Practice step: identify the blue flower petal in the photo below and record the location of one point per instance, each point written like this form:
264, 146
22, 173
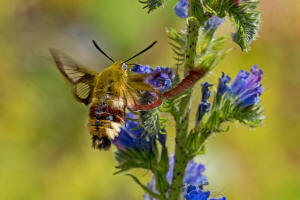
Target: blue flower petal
197, 195
131, 136
190, 188
193, 173
204, 105
193, 178
142, 69
239, 81
246, 86
160, 78
205, 91
222, 86
221, 198
214, 22
181, 9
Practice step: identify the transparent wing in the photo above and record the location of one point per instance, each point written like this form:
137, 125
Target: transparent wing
83, 79
140, 95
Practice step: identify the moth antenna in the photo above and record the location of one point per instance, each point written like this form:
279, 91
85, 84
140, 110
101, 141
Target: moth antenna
99, 49
146, 49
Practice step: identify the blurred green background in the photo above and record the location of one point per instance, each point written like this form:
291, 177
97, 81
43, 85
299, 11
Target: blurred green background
45, 148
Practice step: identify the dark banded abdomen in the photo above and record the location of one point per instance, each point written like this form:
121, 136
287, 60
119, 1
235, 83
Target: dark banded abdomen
106, 120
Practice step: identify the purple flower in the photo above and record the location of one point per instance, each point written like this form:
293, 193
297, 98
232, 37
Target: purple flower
205, 91
193, 173
204, 105
142, 69
131, 136
194, 193
193, 178
181, 9
160, 78
246, 86
222, 86
214, 22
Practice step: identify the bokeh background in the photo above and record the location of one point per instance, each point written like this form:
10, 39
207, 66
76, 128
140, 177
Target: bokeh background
45, 148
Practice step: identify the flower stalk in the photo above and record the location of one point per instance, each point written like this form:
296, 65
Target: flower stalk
182, 120
142, 143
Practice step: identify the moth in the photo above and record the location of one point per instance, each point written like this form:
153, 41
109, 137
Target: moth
108, 93
111, 91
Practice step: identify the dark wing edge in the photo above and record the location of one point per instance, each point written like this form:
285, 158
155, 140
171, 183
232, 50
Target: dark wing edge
83, 79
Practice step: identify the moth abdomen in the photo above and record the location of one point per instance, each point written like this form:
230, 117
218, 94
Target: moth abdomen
105, 123
101, 143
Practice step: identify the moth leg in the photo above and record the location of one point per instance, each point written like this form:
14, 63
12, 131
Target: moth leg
193, 76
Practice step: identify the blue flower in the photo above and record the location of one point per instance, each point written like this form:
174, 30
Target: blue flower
205, 91
131, 136
222, 86
193, 178
204, 105
142, 69
194, 193
246, 86
193, 173
181, 9
160, 78
214, 22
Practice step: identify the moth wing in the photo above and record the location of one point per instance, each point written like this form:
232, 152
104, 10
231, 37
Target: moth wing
137, 82
131, 100
83, 79
141, 95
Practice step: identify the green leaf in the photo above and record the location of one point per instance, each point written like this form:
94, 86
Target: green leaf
162, 184
152, 4
153, 194
178, 44
247, 21
132, 158
209, 50
193, 142
226, 109
202, 150
244, 16
150, 121
198, 11
164, 161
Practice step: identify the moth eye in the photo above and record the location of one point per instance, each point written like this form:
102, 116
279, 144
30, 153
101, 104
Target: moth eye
124, 66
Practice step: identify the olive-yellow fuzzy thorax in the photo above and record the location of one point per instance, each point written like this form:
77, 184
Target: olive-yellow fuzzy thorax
108, 105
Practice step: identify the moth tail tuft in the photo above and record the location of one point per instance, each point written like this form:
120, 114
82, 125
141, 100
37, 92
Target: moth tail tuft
102, 143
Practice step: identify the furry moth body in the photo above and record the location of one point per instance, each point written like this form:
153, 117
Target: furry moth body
109, 93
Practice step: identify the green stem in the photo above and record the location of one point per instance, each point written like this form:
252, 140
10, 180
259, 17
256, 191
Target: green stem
181, 158
182, 116
192, 38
